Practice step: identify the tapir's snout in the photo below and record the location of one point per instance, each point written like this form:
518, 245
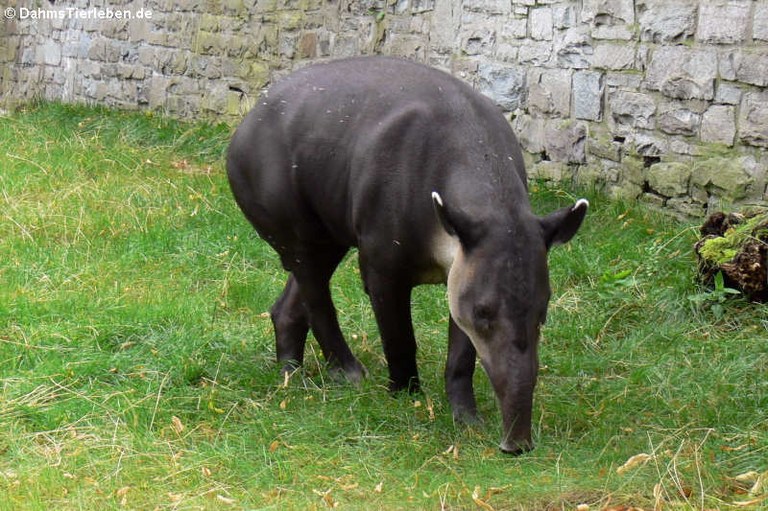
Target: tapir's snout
516, 436
514, 380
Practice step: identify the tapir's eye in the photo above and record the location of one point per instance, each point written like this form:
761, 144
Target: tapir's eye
485, 315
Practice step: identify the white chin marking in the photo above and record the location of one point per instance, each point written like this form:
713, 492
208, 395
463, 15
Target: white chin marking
436, 197
580, 203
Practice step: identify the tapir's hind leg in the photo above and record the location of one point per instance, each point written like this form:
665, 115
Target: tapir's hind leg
291, 323
312, 271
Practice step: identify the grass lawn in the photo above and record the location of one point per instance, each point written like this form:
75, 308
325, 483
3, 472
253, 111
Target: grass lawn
137, 359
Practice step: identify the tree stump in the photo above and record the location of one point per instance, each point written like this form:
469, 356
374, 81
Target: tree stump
736, 244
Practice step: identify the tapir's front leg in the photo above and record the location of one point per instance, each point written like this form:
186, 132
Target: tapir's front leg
391, 300
459, 370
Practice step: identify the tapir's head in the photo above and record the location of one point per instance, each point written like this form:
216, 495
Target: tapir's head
498, 291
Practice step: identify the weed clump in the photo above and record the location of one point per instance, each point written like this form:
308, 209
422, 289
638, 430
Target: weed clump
736, 245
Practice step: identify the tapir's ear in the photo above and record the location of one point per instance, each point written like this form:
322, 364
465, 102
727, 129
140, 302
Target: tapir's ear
560, 226
456, 223
442, 214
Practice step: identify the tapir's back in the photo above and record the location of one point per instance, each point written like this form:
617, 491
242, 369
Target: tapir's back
332, 139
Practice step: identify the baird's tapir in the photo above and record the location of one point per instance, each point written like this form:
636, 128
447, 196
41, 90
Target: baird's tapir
426, 178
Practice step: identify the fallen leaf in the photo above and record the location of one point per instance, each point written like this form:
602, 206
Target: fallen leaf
635, 461
379, 487
122, 494
286, 378
430, 409
760, 485
176, 424
477, 500
582, 507
728, 448
283, 404
274, 445
753, 502
658, 497
327, 498
205, 471
225, 500
747, 477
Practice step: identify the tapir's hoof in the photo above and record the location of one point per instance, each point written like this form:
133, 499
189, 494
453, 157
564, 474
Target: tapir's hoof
289, 367
516, 448
355, 372
412, 386
467, 416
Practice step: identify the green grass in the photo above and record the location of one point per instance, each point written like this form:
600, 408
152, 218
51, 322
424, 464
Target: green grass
137, 363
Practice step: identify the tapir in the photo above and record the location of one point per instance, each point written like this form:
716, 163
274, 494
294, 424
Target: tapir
425, 177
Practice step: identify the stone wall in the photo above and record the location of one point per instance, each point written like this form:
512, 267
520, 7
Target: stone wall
661, 100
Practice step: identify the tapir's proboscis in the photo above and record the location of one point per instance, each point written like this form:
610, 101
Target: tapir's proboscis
425, 177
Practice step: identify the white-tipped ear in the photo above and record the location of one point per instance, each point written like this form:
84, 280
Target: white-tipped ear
442, 214
581, 203
560, 226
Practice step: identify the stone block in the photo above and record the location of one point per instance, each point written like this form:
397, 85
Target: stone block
728, 94
608, 12
421, 6
724, 177
748, 66
753, 119
663, 21
587, 93
669, 179
683, 73
633, 109
760, 21
504, 84
549, 91
565, 16
507, 52
614, 32
573, 48
477, 40
626, 81
624, 191
565, 141
678, 121
530, 132
613, 56
514, 29
49, 53
495, 7
535, 53
602, 145
724, 21
609, 19
646, 143
686, 207
552, 171
541, 24
308, 45
718, 125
